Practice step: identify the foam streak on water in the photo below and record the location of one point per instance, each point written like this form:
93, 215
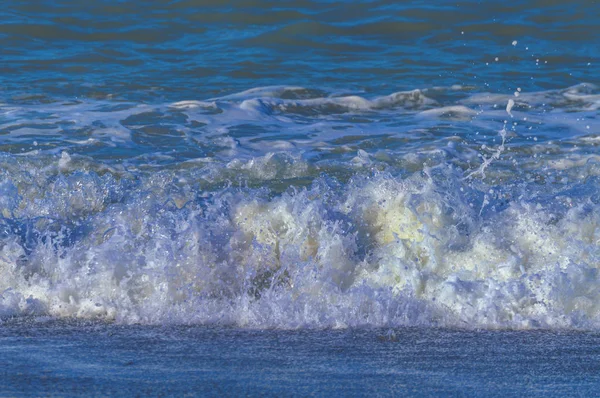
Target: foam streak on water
292, 207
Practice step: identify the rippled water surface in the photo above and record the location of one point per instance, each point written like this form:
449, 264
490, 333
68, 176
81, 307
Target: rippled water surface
174, 50
101, 360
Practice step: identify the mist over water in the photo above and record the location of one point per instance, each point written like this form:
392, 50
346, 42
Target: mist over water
305, 165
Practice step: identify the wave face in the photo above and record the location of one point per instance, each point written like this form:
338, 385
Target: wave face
294, 207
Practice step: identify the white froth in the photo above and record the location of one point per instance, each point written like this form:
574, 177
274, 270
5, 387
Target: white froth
455, 112
305, 209
387, 251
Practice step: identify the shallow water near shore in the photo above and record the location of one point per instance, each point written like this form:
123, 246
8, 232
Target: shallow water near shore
64, 358
305, 165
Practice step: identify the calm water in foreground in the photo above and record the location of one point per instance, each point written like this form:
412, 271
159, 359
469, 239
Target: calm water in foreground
299, 197
98, 359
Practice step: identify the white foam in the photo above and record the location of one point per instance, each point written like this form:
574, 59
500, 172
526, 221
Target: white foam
383, 251
387, 230
456, 112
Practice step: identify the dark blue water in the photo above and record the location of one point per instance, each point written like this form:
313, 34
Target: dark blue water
295, 198
171, 50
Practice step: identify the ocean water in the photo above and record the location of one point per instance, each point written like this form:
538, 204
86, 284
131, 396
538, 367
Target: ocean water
130, 360
304, 170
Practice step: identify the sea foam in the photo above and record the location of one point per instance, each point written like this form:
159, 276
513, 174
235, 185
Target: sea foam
287, 208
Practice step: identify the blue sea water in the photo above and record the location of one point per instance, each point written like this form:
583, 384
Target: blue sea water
335, 173
102, 360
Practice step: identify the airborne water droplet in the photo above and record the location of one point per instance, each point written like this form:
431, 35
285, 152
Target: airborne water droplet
509, 106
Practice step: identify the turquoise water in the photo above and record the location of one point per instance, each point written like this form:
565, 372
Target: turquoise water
307, 169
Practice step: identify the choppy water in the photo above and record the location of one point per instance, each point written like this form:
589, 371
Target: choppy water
301, 165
